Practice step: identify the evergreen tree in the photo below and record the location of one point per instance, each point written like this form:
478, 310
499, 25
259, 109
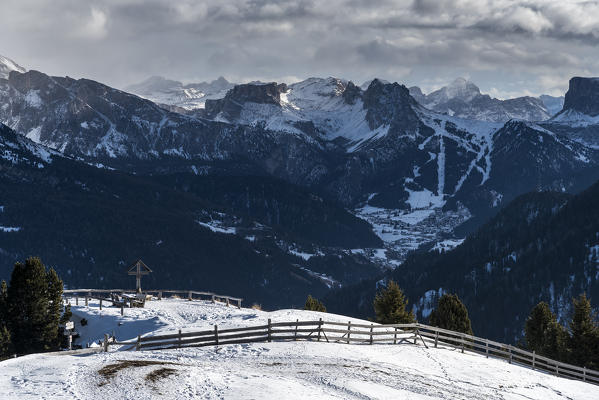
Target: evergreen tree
313, 304
33, 315
451, 314
390, 306
584, 339
544, 334
5, 343
53, 335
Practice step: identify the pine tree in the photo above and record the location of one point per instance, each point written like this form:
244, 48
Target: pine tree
390, 306
451, 314
33, 321
5, 342
584, 339
53, 336
313, 304
544, 334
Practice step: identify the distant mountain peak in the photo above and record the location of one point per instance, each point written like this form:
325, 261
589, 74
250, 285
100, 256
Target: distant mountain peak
7, 65
583, 96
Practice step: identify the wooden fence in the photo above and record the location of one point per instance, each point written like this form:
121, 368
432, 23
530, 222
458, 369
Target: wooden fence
105, 295
340, 332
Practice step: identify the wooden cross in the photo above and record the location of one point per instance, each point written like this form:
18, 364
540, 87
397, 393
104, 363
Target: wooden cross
138, 269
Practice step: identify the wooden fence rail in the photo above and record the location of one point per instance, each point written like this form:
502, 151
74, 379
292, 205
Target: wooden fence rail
337, 332
104, 295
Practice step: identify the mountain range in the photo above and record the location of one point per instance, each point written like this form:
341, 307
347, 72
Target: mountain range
317, 184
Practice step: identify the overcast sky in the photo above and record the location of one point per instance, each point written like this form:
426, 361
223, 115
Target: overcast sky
507, 47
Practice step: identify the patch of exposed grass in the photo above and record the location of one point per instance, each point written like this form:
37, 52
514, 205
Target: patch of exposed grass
110, 370
160, 373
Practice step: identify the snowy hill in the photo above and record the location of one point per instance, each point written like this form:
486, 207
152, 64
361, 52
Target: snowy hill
286, 370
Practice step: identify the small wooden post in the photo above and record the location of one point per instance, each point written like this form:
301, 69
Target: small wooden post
371, 328
556, 370
487, 347
122, 310
213, 299
319, 328
216, 334
269, 331
100, 304
416, 332
533, 359
239, 304
295, 334
179, 344
510, 349
76, 300
348, 331
86, 301
105, 343
436, 338
137, 346
189, 296
227, 302
462, 337
159, 295
584, 374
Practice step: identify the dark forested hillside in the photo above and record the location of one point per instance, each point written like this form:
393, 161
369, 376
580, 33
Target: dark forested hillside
541, 247
90, 223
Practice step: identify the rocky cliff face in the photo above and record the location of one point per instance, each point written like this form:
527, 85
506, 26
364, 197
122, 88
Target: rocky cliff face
583, 96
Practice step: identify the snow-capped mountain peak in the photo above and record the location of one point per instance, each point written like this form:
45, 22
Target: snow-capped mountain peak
7, 65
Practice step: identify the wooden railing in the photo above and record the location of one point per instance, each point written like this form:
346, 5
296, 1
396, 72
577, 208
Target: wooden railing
340, 332
104, 295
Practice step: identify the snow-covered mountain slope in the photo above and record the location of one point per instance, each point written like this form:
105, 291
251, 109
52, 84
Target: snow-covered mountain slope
463, 98
292, 370
7, 65
17, 150
553, 104
189, 96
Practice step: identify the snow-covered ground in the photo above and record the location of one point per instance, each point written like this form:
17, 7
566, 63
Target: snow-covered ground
265, 370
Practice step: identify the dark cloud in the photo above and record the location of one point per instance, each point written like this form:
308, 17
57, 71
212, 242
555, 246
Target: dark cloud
427, 42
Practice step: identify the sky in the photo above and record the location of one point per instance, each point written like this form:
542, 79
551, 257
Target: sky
508, 48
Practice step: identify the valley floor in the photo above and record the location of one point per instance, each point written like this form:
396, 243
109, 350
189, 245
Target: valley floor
265, 370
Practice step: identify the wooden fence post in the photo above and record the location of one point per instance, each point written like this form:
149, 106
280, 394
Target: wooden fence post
584, 374
122, 309
395, 335
462, 337
416, 334
487, 347
227, 302
510, 349
269, 330
319, 328
216, 334
105, 343
138, 344
436, 338
189, 296
556, 370
533, 360
371, 328
348, 331
239, 304
295, 334
213, 299
159, 295
100, 304
179, 339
